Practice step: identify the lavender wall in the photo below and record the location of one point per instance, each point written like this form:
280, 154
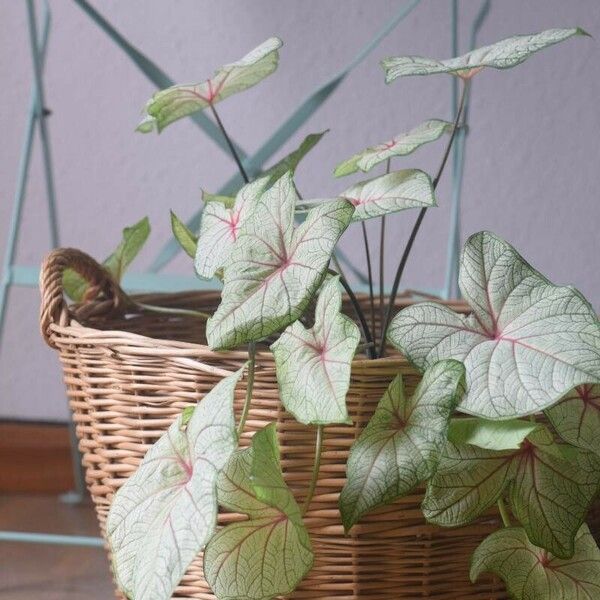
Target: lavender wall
532, 171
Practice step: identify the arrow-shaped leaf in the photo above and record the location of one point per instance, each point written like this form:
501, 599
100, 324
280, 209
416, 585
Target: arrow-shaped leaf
401, 145
275, 268
576, 418
550, 489
179, 101
400, 446
268, 554
501, 55
166, 511
531, 573
527, 343
313, 365
133, 240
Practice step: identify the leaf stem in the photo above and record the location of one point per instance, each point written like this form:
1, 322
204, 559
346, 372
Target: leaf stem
369, 275
230, 145
382, 258
173, 311
249, 388
417, 225
359, 315
315, 472
504, 513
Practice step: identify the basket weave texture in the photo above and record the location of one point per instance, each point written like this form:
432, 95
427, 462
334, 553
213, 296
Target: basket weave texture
129, 373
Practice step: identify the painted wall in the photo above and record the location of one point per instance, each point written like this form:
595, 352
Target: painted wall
532, 172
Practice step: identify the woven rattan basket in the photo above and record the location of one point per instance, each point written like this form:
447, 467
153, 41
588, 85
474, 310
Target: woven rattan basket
129, 373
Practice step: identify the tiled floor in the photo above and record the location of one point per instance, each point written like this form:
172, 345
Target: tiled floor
36, 572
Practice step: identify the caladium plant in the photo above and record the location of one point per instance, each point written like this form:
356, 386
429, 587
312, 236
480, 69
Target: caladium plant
527, 348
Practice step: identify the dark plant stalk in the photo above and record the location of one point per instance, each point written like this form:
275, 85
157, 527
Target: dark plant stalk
230, 145
370, 276
417, 225
249, 388
382, 259
315, 472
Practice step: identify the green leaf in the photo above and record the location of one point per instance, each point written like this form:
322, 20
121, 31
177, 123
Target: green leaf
275, 268
401, 145
187, 240
530, 573
134, 238
400, 446
179, 101
226, 201
268, 554
492, 435
220, 227
409, 188
527, 343
501, 55
576, 417
550, 490
313, 365
166, 511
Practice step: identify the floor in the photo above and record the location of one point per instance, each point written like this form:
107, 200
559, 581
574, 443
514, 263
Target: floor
36, 572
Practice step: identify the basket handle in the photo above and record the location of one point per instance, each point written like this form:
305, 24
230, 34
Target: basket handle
54, 308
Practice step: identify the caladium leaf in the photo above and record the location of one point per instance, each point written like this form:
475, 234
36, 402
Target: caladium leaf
531, 573
167, 510
178, 101
409, 188
401, 145
313, 365
220, 228
576, 417
275, 268
133, 240
187, 240
502, 55
268, 554
527, 343
493, 435
226, 201
550, 490
400, 446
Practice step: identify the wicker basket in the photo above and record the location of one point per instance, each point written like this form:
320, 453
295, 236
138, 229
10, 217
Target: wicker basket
129, 373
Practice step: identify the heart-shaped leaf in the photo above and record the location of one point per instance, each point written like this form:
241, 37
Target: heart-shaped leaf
167, 510
401, 145
576, 417
550, 488
492, 435
133, 240
179, 101
268, 554
530, 573
220, 228
501, 55
527, 343
313, 365
187, 240
275, 269
400, 446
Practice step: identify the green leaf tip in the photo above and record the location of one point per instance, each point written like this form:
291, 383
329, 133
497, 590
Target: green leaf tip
187, 240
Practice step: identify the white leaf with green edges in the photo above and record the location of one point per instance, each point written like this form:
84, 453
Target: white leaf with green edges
401, 145
187, 240
527, 343
400, 446
313, 365
133, 239
502, 55
275, 268
576, 417
492, 435
167, 510
530, 573
268, 554
220, 227
409, 188
178, 101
